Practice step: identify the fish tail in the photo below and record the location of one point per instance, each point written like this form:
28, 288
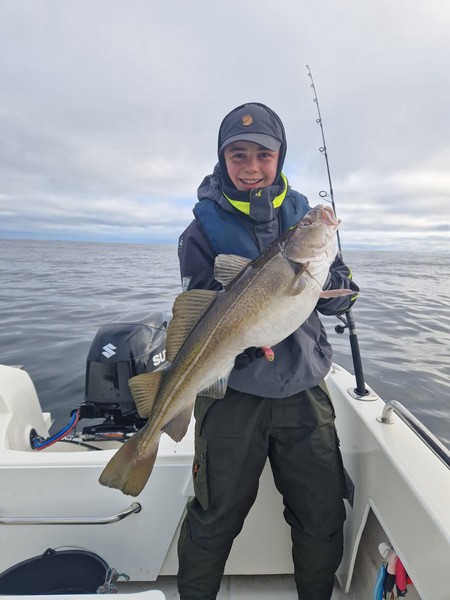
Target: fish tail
129, 468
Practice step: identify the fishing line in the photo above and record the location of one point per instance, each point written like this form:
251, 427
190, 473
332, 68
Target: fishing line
348, 321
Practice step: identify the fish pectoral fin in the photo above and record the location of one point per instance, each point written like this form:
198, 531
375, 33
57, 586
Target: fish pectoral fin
187, 310
299, 283
144, 389
336, 293
177, 427
216, 389
228, 266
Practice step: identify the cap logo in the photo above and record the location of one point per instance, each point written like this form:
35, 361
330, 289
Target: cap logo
247, 120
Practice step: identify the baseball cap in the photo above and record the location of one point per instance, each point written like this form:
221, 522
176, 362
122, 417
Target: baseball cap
253, 123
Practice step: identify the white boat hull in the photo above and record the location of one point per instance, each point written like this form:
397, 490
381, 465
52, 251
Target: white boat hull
398, 484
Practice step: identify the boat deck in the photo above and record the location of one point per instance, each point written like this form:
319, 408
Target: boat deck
244, 587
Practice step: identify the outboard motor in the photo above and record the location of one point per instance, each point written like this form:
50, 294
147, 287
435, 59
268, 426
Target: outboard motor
118, 352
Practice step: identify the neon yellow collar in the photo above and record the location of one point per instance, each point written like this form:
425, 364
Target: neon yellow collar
244, 205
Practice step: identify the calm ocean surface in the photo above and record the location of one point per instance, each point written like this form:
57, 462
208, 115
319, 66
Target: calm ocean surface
55, 295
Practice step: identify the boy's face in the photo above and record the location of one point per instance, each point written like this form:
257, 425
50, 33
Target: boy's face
250, 165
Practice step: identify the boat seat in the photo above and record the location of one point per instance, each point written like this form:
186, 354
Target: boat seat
20, 411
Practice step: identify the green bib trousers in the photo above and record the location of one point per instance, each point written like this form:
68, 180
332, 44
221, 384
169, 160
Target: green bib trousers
234, 438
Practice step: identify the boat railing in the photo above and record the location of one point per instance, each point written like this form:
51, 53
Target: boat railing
135, 507
441, 451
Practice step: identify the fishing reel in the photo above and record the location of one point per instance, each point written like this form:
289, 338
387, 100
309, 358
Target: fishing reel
341, 328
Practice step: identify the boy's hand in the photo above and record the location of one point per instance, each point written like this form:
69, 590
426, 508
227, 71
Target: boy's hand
248, 356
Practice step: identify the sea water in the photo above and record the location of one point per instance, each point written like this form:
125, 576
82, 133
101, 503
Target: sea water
54, 296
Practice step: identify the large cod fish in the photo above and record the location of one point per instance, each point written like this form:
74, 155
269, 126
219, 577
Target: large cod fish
263, 302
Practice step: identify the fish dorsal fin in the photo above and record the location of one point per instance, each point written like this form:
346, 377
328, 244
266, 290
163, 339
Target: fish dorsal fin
187, 310
177, 427
228, 266
144, 389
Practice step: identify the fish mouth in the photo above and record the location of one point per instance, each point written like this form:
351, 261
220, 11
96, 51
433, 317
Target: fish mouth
316, 231
321, 213
329, 217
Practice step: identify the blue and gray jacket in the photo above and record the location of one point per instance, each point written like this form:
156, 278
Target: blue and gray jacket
304, 358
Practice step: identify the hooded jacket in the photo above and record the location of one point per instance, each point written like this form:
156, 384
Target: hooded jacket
303, 359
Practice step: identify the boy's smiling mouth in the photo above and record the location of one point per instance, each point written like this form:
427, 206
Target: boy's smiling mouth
251, 181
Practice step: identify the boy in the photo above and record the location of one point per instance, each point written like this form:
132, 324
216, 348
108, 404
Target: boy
278, 410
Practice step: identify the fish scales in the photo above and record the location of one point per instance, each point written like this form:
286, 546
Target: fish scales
248, 315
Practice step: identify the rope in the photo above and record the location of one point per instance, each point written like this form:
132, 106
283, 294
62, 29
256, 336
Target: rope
108, 586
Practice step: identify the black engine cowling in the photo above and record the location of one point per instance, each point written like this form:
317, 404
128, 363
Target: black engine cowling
118, 352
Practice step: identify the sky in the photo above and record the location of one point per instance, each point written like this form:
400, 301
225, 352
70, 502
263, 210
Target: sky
109, 112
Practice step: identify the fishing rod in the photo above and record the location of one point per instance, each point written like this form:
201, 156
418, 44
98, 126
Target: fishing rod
348, 320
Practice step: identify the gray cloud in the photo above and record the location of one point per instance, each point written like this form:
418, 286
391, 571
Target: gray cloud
109, 111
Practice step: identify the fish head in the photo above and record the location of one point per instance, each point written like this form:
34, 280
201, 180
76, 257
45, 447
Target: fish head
312, 241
